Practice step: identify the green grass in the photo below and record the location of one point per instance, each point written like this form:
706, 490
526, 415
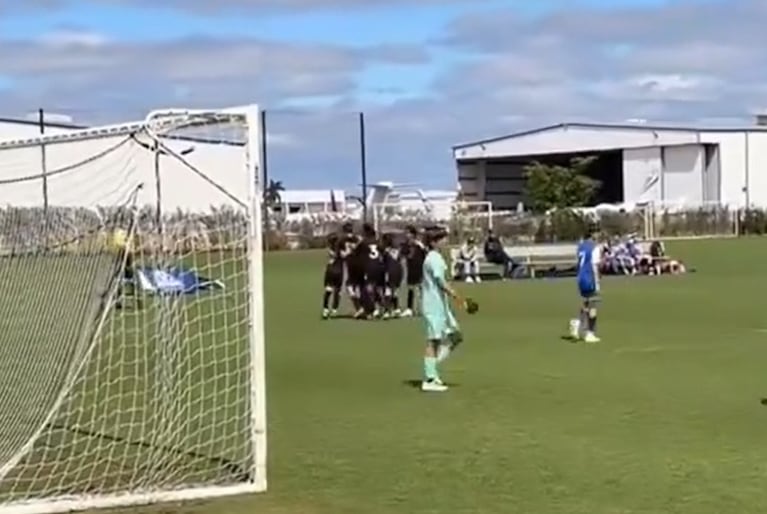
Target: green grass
662, 417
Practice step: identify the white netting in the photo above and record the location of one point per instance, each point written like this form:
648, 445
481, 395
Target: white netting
116, 391
463, 217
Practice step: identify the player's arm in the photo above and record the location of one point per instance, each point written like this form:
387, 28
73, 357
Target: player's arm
596, 262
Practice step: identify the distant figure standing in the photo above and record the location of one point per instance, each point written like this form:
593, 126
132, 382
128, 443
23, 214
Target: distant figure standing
122, 244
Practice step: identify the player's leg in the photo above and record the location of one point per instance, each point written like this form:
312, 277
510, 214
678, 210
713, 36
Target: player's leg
475, 270
327, 291
451, 338
467, 274
367, 299
413, 284
336, 301
393, 283
435, 329
589, 315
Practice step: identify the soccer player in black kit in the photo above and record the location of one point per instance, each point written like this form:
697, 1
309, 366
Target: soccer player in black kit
394, 275
355, 271
371, 258
414, 252
334, 275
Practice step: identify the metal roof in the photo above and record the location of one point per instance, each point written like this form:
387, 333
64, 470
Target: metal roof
618, 126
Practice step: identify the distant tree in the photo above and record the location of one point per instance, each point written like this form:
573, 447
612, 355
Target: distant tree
558, 187
273, 193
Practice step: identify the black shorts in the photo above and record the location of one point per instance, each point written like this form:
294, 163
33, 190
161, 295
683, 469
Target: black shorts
355, 277
375, 276
334, 276
414, 276
394, 277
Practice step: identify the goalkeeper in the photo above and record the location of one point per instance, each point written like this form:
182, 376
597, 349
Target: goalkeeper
443, 333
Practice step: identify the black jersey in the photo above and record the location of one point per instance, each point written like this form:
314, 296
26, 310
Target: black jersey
414, 253
394, 269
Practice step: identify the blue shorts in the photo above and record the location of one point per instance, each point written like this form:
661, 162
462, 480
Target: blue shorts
588, 289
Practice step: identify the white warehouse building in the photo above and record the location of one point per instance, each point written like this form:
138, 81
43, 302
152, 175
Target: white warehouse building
100, 166
636, 163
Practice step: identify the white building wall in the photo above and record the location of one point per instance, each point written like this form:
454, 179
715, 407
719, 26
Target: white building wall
577, 139
757, 169
104, 172
682, 176
641, 174
732, 162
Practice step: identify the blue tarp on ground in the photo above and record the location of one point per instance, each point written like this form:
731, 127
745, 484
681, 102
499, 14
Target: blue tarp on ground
174, 281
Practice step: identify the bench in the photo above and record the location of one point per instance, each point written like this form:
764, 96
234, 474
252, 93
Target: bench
534, 258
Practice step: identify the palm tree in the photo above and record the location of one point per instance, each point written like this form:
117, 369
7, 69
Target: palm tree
272, 199
272, 193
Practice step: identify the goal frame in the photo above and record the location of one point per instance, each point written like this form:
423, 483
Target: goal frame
454, 205
253, 163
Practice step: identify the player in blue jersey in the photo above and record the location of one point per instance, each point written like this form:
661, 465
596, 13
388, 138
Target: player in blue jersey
588, 286
442, 330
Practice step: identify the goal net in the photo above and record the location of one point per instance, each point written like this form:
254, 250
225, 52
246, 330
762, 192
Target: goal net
131, 349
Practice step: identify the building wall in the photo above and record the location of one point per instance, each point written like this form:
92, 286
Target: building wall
501, 183
682, 174
743, 162
730, 167
733, 160
471, 180
757, 169
104, 172
642, 168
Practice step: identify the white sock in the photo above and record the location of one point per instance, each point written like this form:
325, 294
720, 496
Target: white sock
443, 352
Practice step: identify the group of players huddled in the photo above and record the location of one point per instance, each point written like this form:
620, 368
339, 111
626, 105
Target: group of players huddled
373, 270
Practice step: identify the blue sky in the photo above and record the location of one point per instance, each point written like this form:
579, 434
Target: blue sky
429, 73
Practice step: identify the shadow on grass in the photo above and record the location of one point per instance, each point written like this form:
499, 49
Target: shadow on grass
416, 383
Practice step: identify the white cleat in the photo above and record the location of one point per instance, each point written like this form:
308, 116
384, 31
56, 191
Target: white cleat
433, 386
325, 313
469, 280
407, 313
590, 338
477, 279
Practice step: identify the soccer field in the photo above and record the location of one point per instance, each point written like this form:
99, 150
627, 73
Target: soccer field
664, 416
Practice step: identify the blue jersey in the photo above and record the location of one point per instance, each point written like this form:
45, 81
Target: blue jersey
587, 268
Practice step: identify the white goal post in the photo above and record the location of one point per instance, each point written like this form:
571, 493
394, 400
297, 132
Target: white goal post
132, 354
